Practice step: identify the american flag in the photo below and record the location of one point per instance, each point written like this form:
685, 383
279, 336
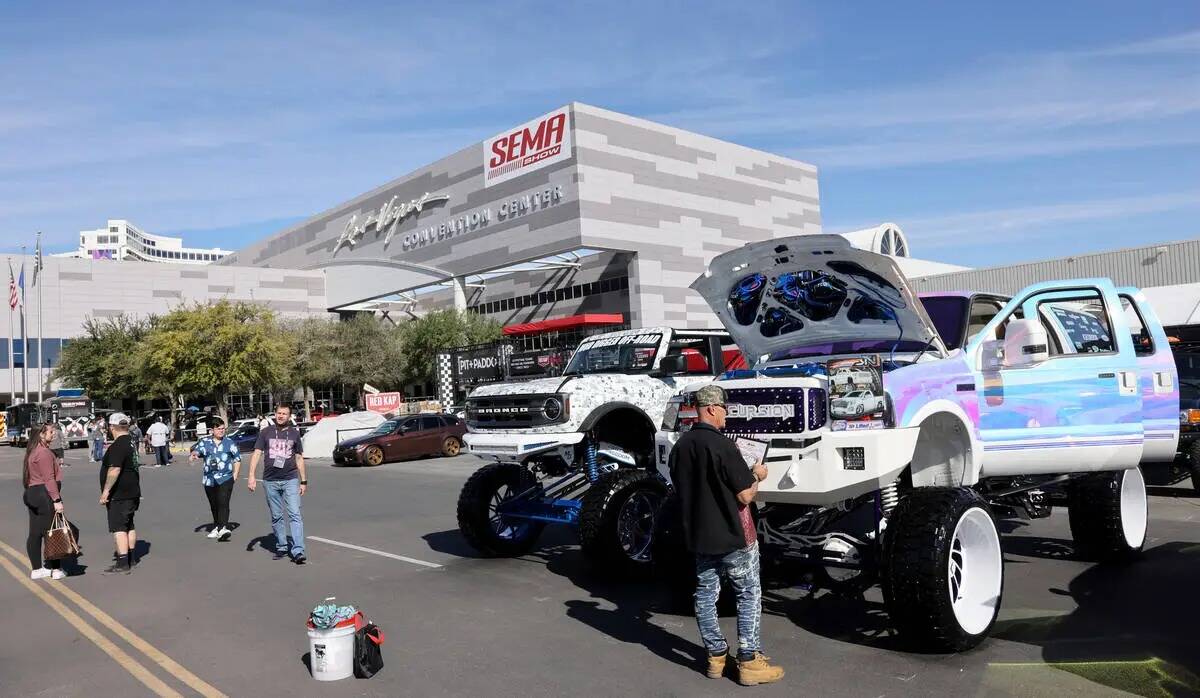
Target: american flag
37, 259
12, 289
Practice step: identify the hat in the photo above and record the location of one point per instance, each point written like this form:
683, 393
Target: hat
710, 395
118, 419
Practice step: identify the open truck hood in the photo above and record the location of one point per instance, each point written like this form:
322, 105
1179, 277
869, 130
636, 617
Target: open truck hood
810, 290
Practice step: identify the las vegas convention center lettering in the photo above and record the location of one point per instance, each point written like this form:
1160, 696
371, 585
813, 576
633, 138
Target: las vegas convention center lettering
394, 211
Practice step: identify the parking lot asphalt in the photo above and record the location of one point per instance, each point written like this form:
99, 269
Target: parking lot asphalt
203, 617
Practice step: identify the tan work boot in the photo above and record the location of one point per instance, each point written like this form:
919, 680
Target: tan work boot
758, 670
716, 666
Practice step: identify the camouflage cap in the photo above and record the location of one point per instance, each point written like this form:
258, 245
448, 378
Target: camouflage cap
710, 395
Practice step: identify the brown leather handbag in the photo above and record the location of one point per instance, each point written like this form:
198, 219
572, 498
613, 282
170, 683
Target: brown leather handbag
59, 541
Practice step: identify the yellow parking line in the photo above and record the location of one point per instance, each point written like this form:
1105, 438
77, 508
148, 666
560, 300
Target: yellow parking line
118, 655
175, 669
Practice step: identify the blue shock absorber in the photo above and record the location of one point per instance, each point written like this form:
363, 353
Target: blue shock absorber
593, 467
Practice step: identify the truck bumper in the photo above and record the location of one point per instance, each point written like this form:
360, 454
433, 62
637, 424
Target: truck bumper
518, 447
835, 466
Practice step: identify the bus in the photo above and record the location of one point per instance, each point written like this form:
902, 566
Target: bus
19, 420
73, 413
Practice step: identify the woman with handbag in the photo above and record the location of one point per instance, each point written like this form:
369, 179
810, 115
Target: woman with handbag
42, 478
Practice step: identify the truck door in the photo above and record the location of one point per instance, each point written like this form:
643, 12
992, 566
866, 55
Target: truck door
1157, 378
1078, 410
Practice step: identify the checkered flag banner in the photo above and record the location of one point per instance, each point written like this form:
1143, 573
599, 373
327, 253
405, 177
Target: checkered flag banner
445, 379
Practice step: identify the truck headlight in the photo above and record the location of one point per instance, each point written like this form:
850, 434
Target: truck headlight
554, 407
1189, 416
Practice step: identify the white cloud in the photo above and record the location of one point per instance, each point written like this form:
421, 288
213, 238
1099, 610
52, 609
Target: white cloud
1021, 223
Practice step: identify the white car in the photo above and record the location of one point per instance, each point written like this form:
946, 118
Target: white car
855, 403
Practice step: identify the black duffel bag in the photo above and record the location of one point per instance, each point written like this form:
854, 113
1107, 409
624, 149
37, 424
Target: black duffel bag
368, 658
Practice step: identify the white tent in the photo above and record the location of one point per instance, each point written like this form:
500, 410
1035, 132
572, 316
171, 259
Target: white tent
324, 435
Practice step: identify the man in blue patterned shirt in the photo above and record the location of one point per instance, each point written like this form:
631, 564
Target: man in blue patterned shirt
222, 461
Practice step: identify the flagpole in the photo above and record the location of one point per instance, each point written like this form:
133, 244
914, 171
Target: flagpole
37, 271
12, 336
24, 335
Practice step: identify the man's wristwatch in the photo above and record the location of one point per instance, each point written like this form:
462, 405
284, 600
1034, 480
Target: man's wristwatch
304, 482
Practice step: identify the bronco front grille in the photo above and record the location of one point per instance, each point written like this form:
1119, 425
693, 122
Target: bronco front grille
515, 411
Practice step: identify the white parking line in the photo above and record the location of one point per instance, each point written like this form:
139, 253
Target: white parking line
380, 553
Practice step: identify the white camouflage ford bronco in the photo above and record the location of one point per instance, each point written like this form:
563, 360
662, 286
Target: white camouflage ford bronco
579, 449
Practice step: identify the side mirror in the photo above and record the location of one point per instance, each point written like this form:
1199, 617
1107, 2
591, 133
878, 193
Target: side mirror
673, 365
1025, 344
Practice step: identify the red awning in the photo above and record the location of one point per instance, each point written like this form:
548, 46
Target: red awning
565, 323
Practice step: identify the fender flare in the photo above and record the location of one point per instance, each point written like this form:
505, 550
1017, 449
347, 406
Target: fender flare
944, 406
610, 407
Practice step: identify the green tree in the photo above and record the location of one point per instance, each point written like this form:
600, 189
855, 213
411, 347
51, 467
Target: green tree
313, 346
424, 337
367, 350
100, 361
215, 349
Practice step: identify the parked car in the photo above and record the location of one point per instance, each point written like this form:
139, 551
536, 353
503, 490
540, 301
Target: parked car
404, 437
244, 434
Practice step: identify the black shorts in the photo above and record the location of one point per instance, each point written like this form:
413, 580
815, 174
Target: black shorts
120, 515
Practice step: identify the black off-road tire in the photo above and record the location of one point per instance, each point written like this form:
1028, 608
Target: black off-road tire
1193, 452
1094, 510
599, 516
916, 558
474, 515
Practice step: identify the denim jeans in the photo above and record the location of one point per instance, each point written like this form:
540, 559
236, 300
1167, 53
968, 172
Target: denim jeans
283, 497
98, 450
162, 454
741, 568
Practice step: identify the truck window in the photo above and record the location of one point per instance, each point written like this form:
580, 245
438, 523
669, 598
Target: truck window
1143, 343
1081, 321
695, 351
982, 312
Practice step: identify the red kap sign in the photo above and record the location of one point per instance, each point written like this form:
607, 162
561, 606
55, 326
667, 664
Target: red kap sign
528, 147
384, 402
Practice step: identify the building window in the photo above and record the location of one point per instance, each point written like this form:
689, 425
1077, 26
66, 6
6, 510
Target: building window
113, 229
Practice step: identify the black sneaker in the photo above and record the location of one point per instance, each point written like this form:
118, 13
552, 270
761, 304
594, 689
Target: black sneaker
278, 555
300, 559
118, 568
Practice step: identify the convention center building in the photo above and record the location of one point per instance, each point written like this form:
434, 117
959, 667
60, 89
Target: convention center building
577, 221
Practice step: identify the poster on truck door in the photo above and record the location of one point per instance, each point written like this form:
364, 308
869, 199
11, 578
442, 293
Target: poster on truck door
856, 399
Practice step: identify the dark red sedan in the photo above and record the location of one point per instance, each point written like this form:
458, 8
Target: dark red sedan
400, 438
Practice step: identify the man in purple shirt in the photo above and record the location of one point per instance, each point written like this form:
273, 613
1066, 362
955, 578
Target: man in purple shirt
284, 480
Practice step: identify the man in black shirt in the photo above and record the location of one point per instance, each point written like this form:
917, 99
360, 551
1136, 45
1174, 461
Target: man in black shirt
715, 490
121, 492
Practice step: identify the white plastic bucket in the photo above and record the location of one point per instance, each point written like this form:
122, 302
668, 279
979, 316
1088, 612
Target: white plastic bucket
331, 653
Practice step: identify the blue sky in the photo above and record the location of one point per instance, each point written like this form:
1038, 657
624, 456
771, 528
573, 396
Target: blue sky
991, 133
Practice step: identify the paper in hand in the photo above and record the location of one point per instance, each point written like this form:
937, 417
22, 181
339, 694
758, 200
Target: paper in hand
752, 450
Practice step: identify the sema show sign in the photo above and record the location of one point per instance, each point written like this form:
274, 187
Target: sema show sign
528, 147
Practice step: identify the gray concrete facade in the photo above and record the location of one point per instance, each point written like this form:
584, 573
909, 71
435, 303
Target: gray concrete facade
74, 290
670, 198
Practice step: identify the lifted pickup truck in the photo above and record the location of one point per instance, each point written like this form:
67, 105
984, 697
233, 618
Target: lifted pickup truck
579, 449
1066, 388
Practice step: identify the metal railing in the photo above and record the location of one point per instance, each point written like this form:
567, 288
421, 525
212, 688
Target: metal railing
337, 435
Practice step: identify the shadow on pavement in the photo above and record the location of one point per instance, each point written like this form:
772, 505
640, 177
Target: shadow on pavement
1181, 492
1131, 626
451, 542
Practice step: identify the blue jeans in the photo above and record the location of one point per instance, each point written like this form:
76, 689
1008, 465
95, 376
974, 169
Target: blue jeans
98, 450
283, 497
741, 568
162, 454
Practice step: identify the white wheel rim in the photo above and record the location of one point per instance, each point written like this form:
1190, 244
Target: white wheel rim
1133, 507
975, 571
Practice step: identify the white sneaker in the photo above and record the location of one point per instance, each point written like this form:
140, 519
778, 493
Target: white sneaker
225, 534
40, 573
214, 533
57, 574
